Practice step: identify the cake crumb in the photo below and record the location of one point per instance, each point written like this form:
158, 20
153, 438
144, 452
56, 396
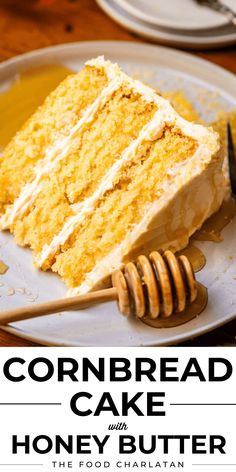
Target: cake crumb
21, 290
3, 268
11, 291
29, 295
32, 299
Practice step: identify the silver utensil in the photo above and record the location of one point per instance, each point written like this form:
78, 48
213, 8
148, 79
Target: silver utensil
217, 5
231, 160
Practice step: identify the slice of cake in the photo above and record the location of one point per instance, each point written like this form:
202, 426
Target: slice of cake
106, 169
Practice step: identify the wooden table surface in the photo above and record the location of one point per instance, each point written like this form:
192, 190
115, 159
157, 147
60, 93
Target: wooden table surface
27, 25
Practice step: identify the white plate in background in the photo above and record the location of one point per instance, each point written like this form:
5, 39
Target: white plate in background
177, 14
207, 39
166, 69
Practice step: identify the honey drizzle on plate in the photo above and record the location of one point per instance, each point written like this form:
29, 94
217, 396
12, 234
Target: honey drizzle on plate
212, 228
195, 255
188, 314
210, 231
27, 91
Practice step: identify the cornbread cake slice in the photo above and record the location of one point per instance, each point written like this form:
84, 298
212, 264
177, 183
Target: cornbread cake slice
125, 173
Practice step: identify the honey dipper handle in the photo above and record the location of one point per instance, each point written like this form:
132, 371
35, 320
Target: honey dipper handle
47, 308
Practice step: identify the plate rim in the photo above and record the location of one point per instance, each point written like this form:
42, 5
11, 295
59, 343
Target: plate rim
174, 52
162, 36
136, 12
46, 341
14, 62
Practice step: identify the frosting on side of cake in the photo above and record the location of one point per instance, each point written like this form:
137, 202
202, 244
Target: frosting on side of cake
168, 223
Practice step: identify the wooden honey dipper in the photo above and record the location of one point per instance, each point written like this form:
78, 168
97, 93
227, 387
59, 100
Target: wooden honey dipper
152, 287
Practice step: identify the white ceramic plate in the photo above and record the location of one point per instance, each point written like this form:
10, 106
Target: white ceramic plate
103, 325
209, 38
180, 14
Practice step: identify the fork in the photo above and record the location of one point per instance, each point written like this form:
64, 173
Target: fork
217, 5
231, 160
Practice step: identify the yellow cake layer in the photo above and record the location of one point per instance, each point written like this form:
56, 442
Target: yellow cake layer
91, 152
53, 120
123, 207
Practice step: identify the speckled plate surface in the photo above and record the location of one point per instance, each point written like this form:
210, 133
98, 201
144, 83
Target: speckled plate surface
166, 69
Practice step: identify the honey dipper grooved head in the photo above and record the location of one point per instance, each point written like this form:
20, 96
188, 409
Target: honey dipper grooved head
158, 285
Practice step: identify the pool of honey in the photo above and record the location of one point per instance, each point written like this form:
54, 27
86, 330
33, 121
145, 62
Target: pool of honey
213, 227
210, 231
190, 312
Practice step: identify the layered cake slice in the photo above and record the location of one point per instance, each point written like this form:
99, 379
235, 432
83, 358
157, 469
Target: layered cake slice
122, 174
